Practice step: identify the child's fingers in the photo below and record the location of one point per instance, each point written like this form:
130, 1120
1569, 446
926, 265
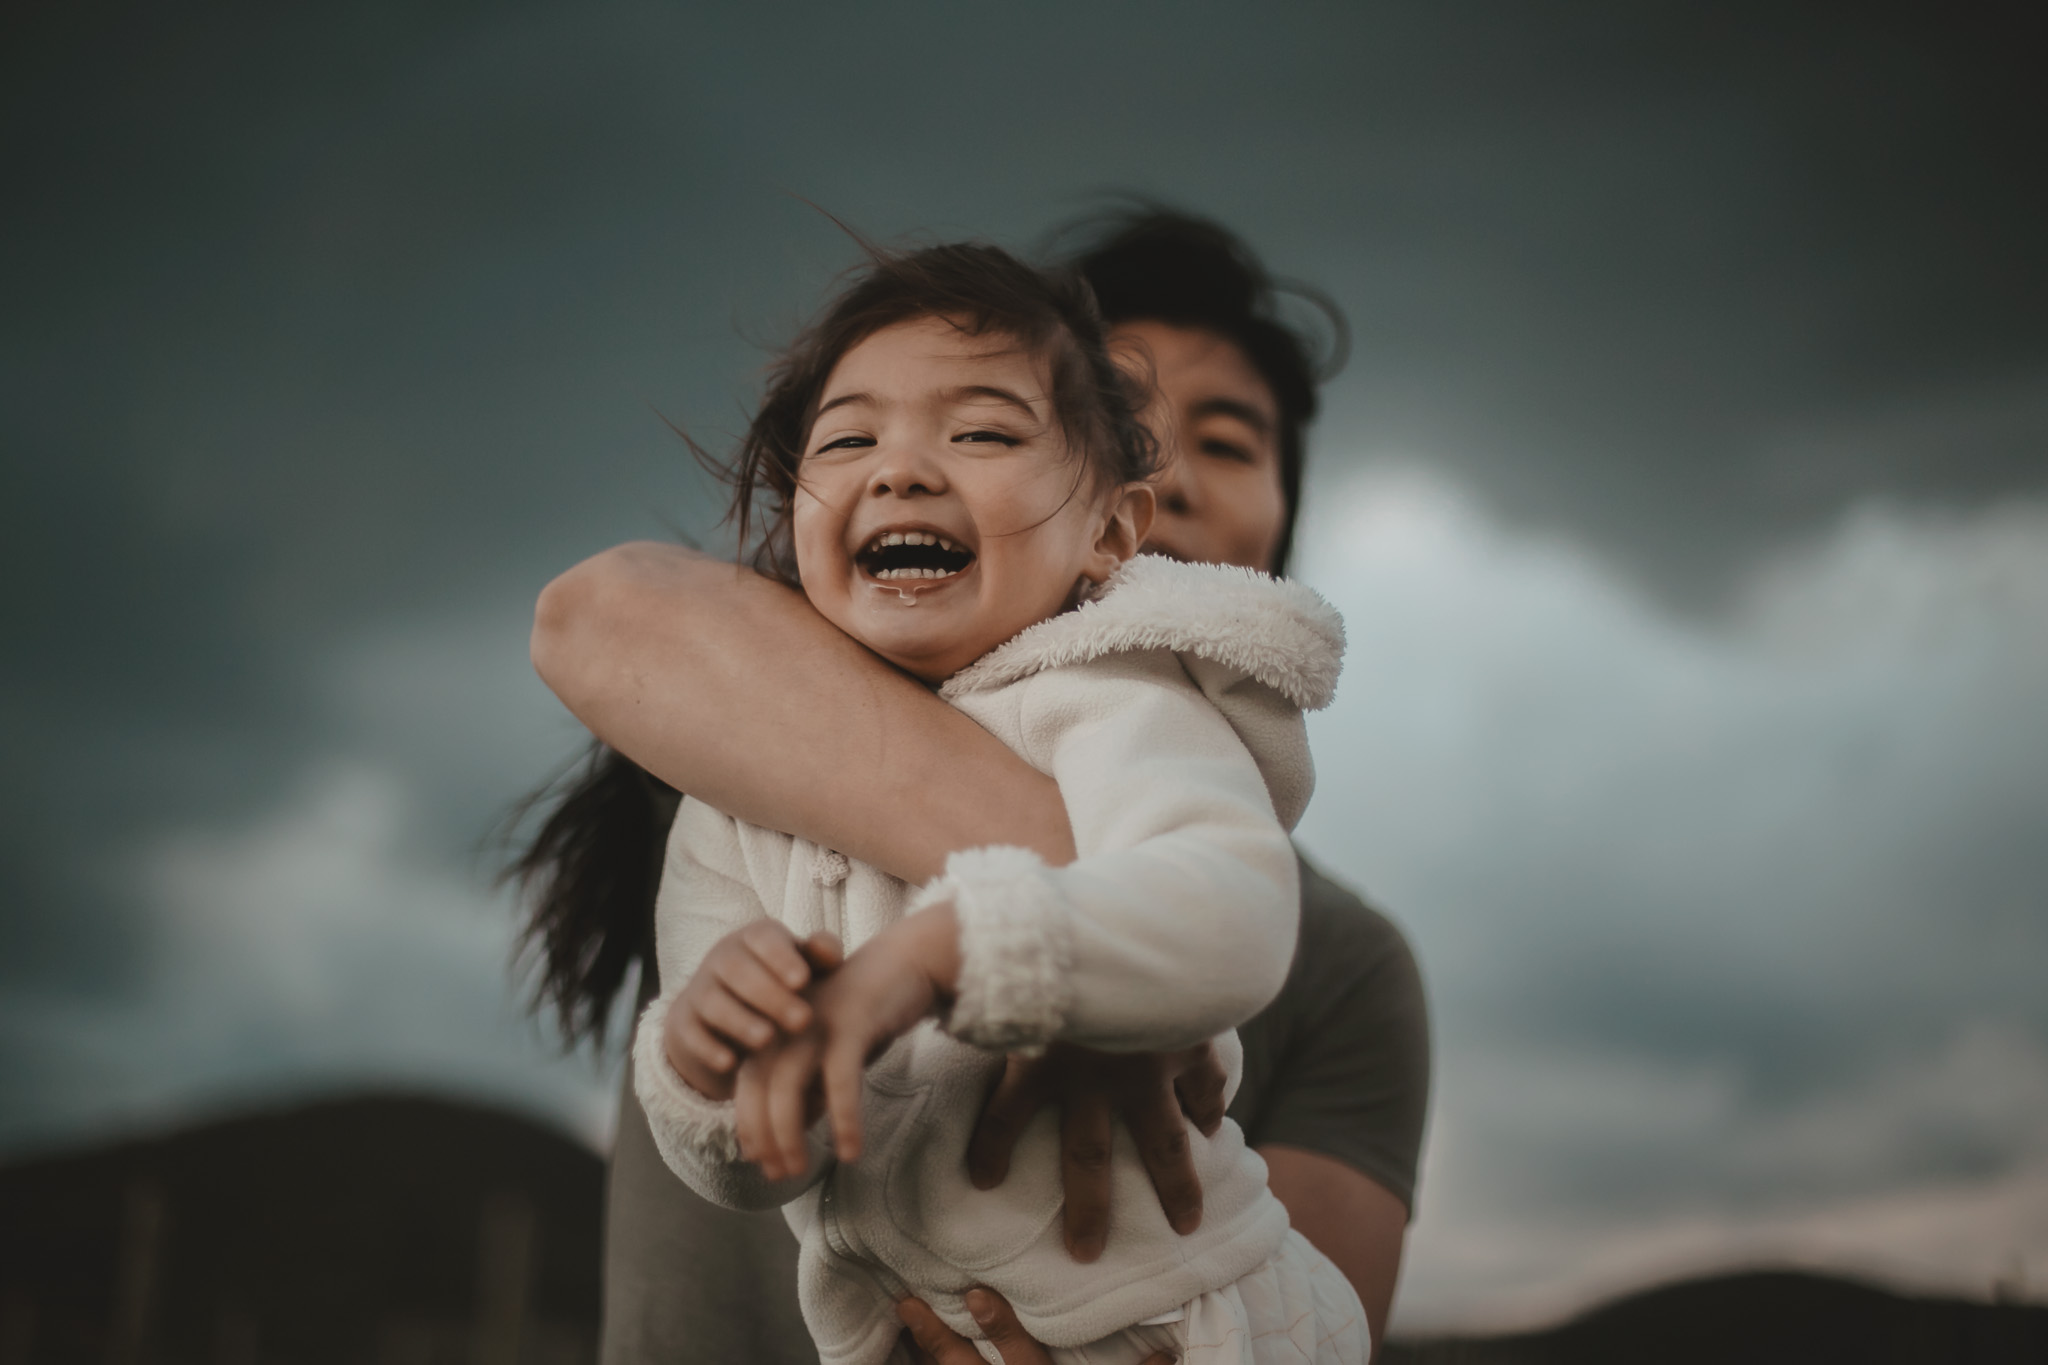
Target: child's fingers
824, 950
750, 1115
724, 1013
759, 986
844, 1061
773, 945
699, 1042
786, 1095
685, 1040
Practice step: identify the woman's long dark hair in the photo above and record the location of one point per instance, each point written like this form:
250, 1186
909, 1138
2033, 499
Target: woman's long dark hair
591, 872
589, 875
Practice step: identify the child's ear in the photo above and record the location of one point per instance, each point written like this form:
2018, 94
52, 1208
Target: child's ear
1123, 531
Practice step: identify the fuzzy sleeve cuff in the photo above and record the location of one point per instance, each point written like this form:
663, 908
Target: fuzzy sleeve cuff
1016, 948
688, 1127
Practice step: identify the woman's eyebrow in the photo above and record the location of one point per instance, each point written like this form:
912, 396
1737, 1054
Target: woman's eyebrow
1233, 407
966, 391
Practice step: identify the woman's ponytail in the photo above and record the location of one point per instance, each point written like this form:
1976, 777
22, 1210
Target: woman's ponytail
590, 876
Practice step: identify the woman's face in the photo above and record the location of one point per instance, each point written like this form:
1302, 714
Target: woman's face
1220, 500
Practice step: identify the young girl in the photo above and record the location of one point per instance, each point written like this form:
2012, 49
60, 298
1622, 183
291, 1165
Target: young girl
956, 477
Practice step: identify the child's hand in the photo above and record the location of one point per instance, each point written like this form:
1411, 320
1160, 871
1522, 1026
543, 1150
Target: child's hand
893, 981
744, 992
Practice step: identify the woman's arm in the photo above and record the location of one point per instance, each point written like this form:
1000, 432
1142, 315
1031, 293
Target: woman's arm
1348, 1216
730, 688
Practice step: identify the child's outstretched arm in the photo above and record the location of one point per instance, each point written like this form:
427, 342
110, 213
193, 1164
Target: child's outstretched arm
1178, 919
892, 981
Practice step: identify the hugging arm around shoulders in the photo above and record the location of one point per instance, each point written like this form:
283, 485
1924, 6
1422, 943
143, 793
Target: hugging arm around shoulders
733, 689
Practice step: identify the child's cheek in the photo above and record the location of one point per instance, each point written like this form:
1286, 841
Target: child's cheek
816, 534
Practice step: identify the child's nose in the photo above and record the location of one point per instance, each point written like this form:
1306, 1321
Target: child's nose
906, 471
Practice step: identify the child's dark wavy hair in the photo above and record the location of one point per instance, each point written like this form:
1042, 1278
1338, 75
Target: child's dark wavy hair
982, 290
591, 872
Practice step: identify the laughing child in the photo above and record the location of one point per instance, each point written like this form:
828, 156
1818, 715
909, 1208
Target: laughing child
952, 468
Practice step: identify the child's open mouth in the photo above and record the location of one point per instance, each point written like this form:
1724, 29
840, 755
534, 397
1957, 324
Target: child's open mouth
900, 556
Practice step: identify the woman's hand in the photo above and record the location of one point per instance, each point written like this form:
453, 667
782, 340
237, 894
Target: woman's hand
934, 1343
1156, 1095
894, 980
743, 996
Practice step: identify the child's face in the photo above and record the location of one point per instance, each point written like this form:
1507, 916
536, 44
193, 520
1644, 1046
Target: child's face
938, 510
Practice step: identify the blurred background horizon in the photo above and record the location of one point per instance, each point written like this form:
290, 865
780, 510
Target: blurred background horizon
1686, 496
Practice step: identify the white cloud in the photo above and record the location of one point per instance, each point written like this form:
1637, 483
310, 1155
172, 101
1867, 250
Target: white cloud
1735, 929
1517, 1227
321, 946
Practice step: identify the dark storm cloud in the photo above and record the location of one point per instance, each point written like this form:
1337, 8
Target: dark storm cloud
1629, 271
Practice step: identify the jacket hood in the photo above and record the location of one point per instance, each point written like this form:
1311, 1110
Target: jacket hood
1277, 632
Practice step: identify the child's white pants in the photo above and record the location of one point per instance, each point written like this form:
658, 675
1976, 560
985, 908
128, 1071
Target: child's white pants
1296, 1309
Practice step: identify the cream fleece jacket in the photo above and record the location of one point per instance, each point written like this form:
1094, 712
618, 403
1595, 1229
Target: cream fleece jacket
1169, 712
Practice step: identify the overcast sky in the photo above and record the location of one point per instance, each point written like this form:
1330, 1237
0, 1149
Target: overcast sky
1687, 496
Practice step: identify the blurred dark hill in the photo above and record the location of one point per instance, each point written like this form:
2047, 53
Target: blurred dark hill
402, 1231
1763, 1318
409, 1231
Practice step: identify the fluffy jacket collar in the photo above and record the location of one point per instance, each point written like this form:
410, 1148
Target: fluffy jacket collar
1276, 631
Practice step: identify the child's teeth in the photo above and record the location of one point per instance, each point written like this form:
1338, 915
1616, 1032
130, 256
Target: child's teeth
891, 575
889, 538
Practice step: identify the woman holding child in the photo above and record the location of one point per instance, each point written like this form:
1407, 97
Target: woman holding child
685, 665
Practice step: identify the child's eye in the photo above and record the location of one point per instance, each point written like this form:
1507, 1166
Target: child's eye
987, 437
845, 443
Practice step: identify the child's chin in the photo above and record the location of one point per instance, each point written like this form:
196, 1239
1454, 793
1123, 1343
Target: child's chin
894, 628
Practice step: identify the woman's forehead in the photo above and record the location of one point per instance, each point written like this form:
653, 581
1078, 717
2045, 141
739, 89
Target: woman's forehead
1193, 365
